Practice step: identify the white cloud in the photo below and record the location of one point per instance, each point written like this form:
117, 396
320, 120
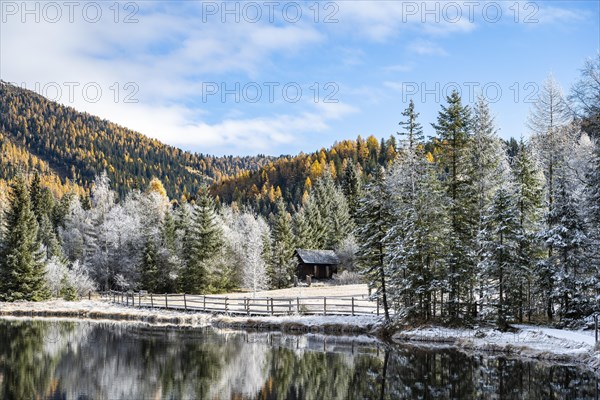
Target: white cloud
167, 56
426, 48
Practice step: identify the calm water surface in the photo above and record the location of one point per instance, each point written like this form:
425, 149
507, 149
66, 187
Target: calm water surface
42, 359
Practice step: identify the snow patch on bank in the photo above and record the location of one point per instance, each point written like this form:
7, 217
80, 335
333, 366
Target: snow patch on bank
528, 341
101, 310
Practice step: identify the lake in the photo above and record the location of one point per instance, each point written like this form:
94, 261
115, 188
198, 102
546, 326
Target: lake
54, 359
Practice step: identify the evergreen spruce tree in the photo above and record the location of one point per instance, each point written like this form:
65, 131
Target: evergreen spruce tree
372, 226
35, 195
417, 238
303, 229
42, 205
282, 269
528, 183
351, 186
546, 121
202, 242
413, 130
453, 128
328, 213
487, 170
47, 236
67, 291
592, 202
149, 267
499, 236
21, 266
169, 261
572, 273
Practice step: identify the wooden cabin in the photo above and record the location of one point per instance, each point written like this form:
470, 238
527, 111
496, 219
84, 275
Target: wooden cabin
319, 264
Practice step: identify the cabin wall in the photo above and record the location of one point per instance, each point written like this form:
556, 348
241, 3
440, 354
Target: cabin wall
317, 271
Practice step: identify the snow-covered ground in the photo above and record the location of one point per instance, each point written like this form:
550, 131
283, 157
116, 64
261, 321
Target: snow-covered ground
102, 310
528, 341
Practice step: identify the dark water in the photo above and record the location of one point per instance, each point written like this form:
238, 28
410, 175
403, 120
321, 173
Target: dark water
89, 360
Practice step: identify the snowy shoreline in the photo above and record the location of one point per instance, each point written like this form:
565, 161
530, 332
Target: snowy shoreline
536, 342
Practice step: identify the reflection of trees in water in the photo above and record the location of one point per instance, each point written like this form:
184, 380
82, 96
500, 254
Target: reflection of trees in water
24, 366
426, 374
117, 361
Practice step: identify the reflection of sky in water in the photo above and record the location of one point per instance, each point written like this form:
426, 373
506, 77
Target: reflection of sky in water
65, 359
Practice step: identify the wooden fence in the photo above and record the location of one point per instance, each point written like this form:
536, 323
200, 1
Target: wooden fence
322, 305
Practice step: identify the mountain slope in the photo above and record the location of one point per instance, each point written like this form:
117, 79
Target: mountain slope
291, 177
76, 146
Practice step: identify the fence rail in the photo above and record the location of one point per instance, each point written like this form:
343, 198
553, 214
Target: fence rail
322, 305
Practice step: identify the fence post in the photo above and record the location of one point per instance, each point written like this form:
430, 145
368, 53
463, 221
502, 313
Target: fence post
140, 298
184, 302
290, 306
226, 304
324, 305
271, 306
204, 303
596, 327
378, 307
151, 301
127, 298
247, 305
166, 301
352, 306
298, 305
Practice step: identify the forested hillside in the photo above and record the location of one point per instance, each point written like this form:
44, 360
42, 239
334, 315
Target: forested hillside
38, 134
292, 178
69, 149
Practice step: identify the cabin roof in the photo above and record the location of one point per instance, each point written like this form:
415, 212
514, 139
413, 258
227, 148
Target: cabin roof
325, 257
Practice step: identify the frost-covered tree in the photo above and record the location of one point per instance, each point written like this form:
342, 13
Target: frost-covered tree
487, 170
75, 275
528, 193
548, 117
158, 264
585, 101
417, 238
21, 261
487, 157
585, 97
499, 263
254, 275
567, 236
453, 127
99, 259
77, 234
374, 221
555, 151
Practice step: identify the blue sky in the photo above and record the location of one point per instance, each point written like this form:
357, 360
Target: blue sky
187, 72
